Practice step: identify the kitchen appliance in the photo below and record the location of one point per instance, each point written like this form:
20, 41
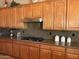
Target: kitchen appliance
33, 23
38, 39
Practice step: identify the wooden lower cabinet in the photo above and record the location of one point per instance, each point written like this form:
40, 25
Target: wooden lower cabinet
28, 50
15, 50
72, 53
3, 47
72, 56
58, 55
24, 52
34, 53
45, 54
6, 47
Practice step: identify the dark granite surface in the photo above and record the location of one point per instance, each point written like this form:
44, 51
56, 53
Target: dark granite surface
74, 45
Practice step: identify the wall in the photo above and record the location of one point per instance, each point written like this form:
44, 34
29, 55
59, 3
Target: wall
18, 1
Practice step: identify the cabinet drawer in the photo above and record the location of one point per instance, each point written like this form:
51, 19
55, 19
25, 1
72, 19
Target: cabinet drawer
57, 48
70, 50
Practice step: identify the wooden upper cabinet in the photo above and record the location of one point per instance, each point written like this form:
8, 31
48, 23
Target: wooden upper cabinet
72, 56
8, 18
47, 15
27, 11
1, 21
2, 17
13, 17
19, 17
73, 15
59, 14
37, 10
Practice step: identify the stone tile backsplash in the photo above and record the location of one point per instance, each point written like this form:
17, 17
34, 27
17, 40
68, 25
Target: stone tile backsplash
46, 34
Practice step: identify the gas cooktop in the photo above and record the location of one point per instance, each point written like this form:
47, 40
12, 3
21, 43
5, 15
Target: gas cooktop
38, 39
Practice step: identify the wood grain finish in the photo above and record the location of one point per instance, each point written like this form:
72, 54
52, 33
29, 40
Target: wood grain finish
59, 14
16, 50
31, 50
34, 52
58, 55
37, 10
24, 52
2, 17
19, 17
27, 11
45, 54
72, 56
73, 15
47, 15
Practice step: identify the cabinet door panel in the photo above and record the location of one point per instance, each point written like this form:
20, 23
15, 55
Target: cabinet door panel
47, 15
19, 17
15, 50
45, 54
8, 17
58, 55
34, 53
27, 11
72, 56
9, 48
13, 17
24, 52
3, 17
73, 15
3, 48
37, 10
60, 14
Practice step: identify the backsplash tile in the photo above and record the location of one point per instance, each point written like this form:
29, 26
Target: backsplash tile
46, 34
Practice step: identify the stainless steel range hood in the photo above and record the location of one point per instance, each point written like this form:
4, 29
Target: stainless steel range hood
31, 20
33, 23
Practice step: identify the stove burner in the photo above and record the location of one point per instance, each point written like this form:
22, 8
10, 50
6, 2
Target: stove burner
33, 39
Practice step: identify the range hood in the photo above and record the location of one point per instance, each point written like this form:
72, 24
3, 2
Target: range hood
33, 23
31, 20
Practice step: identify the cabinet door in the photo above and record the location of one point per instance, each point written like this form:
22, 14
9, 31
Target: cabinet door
24, 52
27, 11
58, 55
37, 10
8, 17
2, 47
73, 15
2, 17
34, 53
47, 15
16, 50
72, 56
19, 17
59, 14
13, 17
8, 46
45, 54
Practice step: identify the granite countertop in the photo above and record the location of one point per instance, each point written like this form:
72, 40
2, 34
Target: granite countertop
48, 42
